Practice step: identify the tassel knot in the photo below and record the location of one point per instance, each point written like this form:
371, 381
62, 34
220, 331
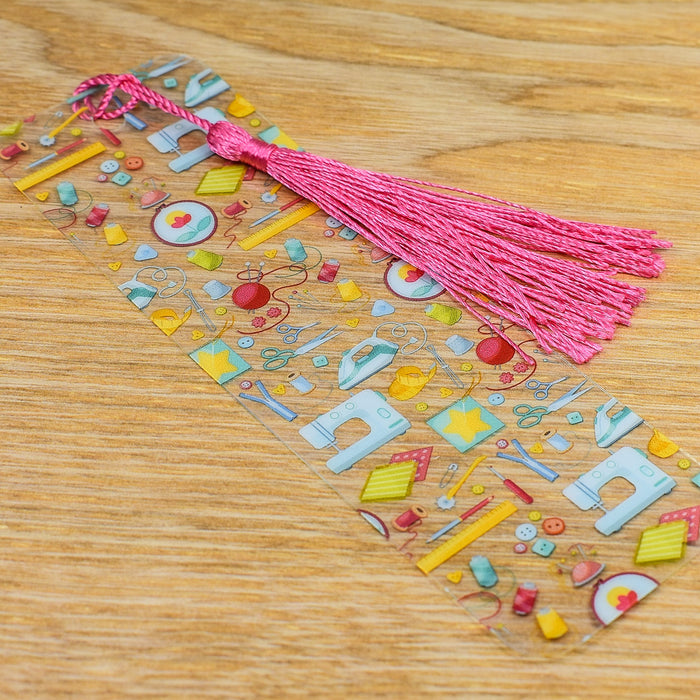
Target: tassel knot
234, 143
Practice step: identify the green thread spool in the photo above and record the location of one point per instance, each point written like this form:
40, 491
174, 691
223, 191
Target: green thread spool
295, 250
449, 315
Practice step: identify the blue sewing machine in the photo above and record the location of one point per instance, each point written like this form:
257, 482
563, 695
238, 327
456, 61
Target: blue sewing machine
370, 406
650, 482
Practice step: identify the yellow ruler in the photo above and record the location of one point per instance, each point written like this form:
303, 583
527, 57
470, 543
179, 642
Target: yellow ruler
466, 536
278, 226
59, 166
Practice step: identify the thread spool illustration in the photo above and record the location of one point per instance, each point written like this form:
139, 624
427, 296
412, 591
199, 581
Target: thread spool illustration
348, 290
239, 207
328, 270
300, 383
410, 518
448, 315
295, 250
558, 442
115, 234
14, 149
206, 259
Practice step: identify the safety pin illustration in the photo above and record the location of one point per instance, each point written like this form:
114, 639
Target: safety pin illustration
447, 501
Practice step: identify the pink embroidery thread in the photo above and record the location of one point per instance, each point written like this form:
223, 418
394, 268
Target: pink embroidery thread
503, 257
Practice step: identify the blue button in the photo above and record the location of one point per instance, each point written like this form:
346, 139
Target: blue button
526, 532
543, 547
121, 178
109, 166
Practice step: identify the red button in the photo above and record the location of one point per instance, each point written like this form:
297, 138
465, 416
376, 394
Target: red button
553, 526
133, 163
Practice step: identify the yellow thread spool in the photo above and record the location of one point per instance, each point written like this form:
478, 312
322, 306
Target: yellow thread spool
205, 259
441, 312
348, 290
551, 623
115, 234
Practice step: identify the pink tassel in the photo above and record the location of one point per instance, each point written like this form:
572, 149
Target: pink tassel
550, 276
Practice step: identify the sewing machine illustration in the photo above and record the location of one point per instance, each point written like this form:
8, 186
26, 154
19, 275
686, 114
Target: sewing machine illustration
370, 406
650, 483
166, 140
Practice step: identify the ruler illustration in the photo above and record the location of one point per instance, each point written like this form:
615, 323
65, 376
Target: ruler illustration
465, 537
278, 226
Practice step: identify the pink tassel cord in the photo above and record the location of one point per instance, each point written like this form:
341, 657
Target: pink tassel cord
550, 276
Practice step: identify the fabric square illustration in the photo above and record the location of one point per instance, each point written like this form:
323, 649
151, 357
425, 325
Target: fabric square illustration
465, 424
220, 361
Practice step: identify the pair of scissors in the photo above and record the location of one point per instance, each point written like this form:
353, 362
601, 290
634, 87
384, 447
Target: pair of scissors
541, 388
291, 333
531, 416
276, 358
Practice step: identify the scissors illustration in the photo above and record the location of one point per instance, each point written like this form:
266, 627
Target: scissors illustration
531, 416
276, 358
541, 388
291, 333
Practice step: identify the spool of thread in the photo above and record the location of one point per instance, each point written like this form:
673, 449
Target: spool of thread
348, 290
558, 442
328, 270
115, 234
239, 207
13, 149
413, 516
449, 315
206, 259
295, 250
551, 623
300, 383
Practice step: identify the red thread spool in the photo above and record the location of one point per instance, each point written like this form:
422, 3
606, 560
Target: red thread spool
494, 351
413, 516
14, 149
239, 207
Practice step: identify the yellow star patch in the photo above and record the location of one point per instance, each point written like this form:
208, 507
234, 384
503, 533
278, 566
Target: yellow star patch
466, 424
216, 365
219, 361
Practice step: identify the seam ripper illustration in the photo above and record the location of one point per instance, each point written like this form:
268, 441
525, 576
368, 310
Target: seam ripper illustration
550, 276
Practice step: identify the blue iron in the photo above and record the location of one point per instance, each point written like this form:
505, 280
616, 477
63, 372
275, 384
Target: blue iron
609, 429
364, 360
197, 91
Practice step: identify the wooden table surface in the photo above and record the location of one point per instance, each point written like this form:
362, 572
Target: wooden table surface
148, 549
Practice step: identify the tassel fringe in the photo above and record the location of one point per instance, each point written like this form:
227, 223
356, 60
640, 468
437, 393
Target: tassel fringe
553, 277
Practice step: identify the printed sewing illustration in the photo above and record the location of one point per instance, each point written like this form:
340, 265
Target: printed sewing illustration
479, 456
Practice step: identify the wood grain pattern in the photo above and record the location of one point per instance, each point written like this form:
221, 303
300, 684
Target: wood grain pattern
153, 545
